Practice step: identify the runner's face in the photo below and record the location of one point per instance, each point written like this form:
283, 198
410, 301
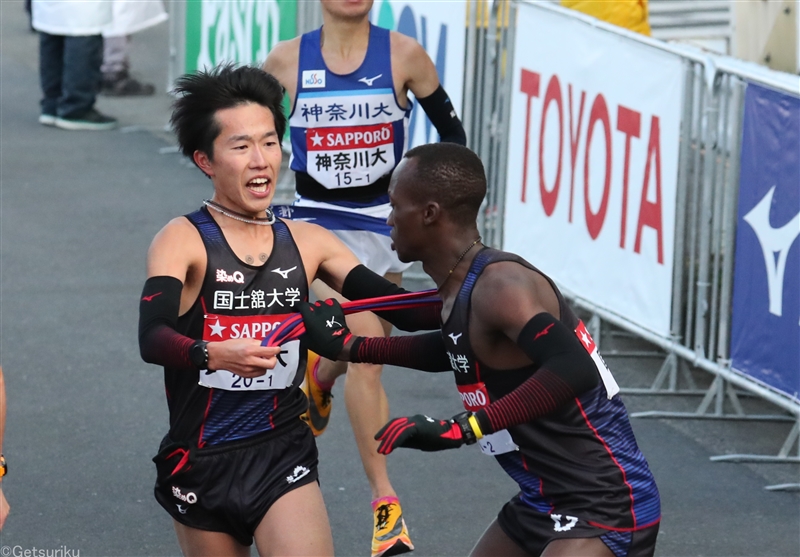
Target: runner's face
247, 159
347, 9
407, 214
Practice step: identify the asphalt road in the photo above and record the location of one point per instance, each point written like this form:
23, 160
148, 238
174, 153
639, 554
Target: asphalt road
85, 414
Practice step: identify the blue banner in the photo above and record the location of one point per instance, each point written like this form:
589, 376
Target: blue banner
765, 328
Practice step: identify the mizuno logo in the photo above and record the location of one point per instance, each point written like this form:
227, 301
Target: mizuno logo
775, 245
543, 331
455, 337
369, 80
181, 509
150, 297
284, 274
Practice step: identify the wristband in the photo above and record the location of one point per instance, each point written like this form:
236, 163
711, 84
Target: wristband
476, 427
463, 421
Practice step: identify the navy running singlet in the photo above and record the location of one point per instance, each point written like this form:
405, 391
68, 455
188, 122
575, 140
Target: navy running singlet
581, 460
348, 132
238, 300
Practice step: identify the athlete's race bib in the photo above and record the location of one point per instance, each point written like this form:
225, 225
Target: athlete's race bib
497, 443
280, 377
224, 327
349, 136
605, 374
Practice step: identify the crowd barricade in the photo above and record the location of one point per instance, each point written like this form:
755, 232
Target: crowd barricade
658, 185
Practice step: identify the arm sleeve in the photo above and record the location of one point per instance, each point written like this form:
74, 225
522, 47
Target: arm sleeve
425, 352
565, 371
159, 342
361, 283
443, 116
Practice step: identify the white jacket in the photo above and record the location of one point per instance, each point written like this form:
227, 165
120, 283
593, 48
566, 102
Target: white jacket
71, 17
132, 16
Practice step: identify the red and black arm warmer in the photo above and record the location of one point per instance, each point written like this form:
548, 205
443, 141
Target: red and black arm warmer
443, 116
425, 352
361, 283
159, 342
565, 371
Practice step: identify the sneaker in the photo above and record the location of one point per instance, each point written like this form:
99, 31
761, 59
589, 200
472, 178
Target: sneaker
89, 120
390, 536
319, 400
47, 119
127, 87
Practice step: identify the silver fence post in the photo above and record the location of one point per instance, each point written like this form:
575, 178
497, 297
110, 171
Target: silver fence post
684, 168
721, 159
500, 120
729, 221
177, 41
470, 84
699, 96
709, 146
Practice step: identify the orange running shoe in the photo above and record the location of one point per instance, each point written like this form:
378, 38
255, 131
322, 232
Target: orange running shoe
319, 400
390, 536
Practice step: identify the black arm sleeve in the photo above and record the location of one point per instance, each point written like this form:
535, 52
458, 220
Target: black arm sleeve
425, 352
565, 370
443, 116
361, 283
159, 342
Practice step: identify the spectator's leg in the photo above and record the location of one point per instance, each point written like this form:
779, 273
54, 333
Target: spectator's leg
115, 58
83, 57
51, 67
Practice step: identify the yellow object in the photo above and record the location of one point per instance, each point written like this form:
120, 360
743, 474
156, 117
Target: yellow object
390, 534
631, 14
476, 428
319, 400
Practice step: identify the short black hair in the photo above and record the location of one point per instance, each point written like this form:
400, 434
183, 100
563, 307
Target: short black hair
451, 175
202, 94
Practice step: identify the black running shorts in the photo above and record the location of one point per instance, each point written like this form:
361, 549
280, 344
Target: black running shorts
533, 530
230, 488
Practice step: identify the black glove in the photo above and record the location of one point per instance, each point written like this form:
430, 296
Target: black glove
326, 329
426, 434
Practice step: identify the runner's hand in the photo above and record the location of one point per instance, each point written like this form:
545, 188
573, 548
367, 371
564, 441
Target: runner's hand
243, 356
326, 329
420, 432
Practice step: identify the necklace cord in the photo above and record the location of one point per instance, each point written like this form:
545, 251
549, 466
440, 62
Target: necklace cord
458, 260
263, 221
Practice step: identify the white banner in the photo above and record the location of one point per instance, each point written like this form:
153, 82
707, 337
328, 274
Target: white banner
593, 163
440, 27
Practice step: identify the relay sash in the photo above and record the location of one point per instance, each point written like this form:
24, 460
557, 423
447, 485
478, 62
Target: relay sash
293, 327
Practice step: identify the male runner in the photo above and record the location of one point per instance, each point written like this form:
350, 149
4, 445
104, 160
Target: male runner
537, 395
348, 84
237, 463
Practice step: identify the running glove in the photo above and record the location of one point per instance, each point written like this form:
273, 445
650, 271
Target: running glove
426, 434
326, 329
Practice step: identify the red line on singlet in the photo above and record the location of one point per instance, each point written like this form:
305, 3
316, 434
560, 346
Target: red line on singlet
634, 529
611, 454
200, 442
274, 409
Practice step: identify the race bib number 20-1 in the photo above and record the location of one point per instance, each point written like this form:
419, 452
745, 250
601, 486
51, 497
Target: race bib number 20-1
280, 377
224, 327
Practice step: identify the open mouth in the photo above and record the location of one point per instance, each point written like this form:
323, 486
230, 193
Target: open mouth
258, 185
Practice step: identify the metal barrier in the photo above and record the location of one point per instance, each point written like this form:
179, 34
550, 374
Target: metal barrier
708, 180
